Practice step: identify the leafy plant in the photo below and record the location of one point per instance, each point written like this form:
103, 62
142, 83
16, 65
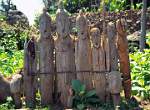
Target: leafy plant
140, 73
8, 105
10, 62
83, 99
114, 5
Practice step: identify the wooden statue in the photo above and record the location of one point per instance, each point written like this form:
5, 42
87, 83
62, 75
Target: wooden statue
122, 44
115, 84
46, 59
83, 51
65, 61
112, 35
29, 72
98, 63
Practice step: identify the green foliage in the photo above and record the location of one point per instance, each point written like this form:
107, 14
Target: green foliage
8, 105
6, 6
10, 62
140, 73
114, 5
148, 39
12, 37
75, 5
82, 98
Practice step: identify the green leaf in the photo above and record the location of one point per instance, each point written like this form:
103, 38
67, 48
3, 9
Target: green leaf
77, 86
93, 100
81, 106
90, 93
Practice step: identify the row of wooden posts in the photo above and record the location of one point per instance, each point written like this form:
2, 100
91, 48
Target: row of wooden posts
90, 58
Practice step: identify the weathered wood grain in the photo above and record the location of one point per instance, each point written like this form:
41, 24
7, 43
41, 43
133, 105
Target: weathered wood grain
46, 59
98, 63
83, 51
65, 61
112, 36
122, 44
29, 70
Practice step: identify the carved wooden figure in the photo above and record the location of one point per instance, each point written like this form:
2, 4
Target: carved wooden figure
112, 35
115, 84
83, 51
122, 44
98, 63
46, 59
65, 61
29, 72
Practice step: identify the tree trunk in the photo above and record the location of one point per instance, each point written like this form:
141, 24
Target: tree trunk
46, 59
143, 26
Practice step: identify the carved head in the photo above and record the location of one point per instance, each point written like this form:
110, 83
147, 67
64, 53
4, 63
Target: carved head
95, 36
111, 31
121, 26
44, 10
114, 82
62, 23
82, 25
60, 5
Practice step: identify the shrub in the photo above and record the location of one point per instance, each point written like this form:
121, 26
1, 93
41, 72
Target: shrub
140, 73
82, 98
10, 62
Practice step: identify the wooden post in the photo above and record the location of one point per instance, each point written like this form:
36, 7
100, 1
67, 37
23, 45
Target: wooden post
29, 73
46, 59
83, 52
98, 63
112, 35
106, 46
122, 44
65, 61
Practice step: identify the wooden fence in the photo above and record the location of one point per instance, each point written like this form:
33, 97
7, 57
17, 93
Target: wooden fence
94, 58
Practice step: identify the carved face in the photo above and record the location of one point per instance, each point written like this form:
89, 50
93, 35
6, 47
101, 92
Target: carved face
111, 31
95, 36
62, 23
82, 25
121, 26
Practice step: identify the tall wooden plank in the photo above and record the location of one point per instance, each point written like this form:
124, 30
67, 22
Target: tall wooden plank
106, 46
46, 59
122, 44
83, 51
29, 72
112, 36
65, 61
98, 63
